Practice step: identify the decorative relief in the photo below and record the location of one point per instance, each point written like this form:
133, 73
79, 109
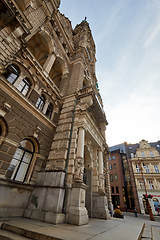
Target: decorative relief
67, 27
79, 170
85, 103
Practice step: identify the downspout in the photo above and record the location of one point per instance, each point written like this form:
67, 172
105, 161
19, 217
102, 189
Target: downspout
67, 159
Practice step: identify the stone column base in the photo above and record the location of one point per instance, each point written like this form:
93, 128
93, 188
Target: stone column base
78, 214
100, 207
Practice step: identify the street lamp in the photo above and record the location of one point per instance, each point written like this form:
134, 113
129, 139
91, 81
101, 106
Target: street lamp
147, 200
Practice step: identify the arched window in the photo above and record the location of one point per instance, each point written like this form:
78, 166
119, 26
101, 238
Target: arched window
21, 161
49, 110
24, 86
40, 102
12, 73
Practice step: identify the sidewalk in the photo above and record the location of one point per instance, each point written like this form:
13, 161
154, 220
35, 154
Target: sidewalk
128, 228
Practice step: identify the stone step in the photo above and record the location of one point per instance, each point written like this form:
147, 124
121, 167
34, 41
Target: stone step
6, 235
26, 232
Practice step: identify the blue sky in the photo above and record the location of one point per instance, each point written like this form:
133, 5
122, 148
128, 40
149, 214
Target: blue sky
127, 38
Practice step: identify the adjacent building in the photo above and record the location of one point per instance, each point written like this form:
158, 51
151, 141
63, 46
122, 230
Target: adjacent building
135, 175
52, 122
145, 161
123, 189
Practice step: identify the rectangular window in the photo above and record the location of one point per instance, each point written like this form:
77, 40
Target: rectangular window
113, 157
156, 168
110, 166
150, 182
116, 178
146, 168
111, 177
117, 190
137, 169
141, 184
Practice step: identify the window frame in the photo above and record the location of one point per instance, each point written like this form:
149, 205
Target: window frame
21, 160
27, 83
42, 100
8, 73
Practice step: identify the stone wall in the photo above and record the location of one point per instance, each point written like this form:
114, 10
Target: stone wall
13, 199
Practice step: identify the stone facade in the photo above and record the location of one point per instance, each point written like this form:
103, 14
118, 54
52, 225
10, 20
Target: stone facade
137, 167
123, 189
52, 123
146, 168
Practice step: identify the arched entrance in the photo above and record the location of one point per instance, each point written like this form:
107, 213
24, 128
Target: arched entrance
87, 179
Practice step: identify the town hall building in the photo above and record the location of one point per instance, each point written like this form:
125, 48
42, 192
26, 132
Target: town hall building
52, 122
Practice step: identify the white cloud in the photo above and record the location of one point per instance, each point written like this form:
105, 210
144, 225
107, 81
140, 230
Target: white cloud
152, 35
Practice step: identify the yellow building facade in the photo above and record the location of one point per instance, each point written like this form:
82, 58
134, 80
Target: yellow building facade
146, 169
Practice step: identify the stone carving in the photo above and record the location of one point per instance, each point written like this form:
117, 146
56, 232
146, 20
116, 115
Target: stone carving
85, 103
66, 23
79, 169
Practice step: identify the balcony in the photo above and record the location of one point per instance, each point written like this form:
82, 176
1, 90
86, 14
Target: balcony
96, 109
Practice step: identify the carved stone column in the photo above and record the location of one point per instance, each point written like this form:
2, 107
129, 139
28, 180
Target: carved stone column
80, 147
100, 204
101, 177
79, 166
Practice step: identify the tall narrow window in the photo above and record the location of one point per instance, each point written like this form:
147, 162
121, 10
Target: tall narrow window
49, 110
141, 184
24, 86
146, 167
110, 166
117, 190
137, 168
12, 73
156, 168
151, 186
21, 161
40, 103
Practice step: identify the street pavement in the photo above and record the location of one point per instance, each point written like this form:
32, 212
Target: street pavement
128, 228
